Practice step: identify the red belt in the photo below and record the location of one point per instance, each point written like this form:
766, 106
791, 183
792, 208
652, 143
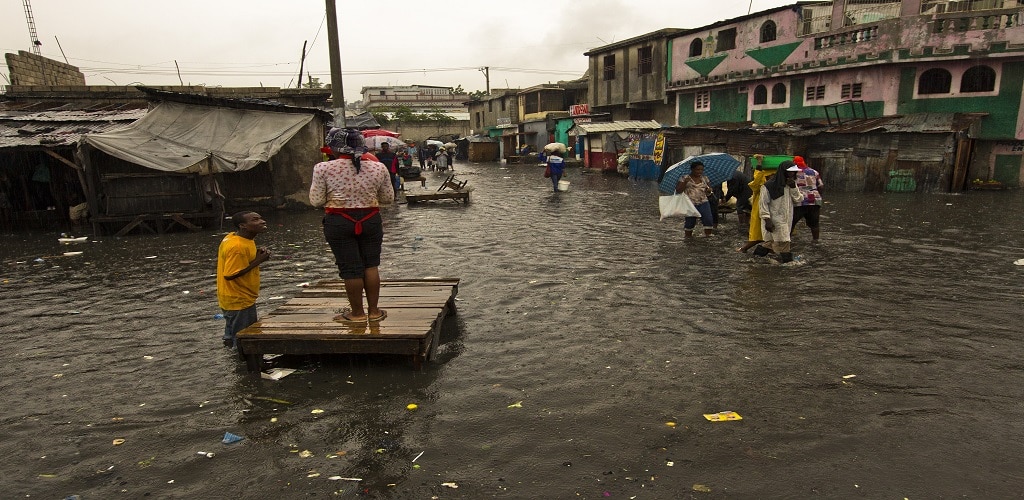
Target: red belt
359, 223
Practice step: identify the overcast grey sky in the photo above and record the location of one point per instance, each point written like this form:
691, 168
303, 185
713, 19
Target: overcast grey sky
396, 42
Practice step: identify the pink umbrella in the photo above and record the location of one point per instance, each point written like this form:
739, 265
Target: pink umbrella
379, 131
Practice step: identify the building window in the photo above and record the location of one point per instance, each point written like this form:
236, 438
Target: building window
934, 81
609, 67
850, 91
490, 106
815, 93
978, 79
503, 105
779, 93
768, 32
382, 92
479, 120
702, 100
646, 61
696, 47
726, 40
760, 95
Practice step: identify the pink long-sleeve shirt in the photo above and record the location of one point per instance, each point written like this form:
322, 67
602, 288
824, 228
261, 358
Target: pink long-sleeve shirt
337, 185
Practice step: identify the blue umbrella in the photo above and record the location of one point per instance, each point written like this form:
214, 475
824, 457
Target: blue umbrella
719, 168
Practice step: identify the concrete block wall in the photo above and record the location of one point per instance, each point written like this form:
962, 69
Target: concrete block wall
27, 68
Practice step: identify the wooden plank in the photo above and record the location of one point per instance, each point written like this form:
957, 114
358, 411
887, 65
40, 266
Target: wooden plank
305, 325
124, 230
444, 195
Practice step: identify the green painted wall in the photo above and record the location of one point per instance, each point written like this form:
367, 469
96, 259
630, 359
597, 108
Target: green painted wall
562, 126
1003, 109
727, 105
773, 56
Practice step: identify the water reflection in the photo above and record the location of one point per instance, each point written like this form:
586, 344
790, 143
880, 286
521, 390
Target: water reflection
602, 321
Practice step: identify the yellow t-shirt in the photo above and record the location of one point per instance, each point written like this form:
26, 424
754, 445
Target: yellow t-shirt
235, 254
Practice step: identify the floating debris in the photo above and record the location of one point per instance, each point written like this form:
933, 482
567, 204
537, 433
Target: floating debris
230, 438
277, 373
723, 416
517, 404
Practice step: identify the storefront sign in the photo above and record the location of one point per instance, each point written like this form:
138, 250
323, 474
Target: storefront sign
579, 109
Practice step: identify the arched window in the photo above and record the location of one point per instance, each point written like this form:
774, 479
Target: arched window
978, 79
779, 93
760, 95
768, 31
696, 47
934, 81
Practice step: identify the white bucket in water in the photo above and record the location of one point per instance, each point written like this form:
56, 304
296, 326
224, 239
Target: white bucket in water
563, 186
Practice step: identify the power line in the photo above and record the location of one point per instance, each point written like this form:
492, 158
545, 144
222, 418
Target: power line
138, 70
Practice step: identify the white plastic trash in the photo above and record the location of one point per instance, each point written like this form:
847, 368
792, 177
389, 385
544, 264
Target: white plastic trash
563, 186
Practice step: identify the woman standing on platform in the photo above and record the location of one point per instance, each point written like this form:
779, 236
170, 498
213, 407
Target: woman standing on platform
351, 191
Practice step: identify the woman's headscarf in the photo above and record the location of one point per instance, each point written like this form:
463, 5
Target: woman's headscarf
777, 184
346, 141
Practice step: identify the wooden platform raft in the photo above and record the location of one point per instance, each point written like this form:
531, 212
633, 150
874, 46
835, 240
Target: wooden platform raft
304, 325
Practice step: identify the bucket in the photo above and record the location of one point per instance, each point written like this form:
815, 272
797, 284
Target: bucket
771, 162
563, 186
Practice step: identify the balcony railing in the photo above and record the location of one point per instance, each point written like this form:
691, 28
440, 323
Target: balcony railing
947, 6
858, 35
980, 20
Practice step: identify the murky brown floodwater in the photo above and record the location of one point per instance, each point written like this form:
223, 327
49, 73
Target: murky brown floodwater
582, 306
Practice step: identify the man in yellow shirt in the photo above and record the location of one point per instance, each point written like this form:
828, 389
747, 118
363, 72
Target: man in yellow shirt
238, 274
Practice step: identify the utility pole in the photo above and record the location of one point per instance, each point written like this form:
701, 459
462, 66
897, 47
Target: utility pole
337, 90
486, 70
302, 62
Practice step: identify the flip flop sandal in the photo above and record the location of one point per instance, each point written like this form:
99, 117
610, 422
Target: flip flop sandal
383, 314
344, 318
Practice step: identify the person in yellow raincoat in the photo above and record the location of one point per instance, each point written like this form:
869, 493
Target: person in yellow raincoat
760, 176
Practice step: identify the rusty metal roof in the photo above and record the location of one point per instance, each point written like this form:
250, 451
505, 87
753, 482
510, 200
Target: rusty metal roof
925, 123
26, 129
587, 128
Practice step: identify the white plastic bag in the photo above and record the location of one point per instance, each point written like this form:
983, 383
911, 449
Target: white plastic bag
676, 205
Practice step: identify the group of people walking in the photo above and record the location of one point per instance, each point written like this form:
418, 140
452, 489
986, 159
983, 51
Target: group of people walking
768, 207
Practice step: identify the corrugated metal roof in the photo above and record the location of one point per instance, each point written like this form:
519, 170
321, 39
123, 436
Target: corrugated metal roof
58, 128
618, 126
926, 123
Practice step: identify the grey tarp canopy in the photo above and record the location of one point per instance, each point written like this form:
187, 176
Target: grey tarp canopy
176, 137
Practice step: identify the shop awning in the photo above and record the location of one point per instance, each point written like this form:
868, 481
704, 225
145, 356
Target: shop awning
178, 137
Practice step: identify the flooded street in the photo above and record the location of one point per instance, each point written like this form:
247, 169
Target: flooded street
887, 363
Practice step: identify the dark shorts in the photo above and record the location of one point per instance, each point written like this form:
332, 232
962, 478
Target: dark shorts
354, 254
706, 219
236, 321
810, 213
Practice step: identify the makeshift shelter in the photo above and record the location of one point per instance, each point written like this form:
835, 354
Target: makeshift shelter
479, 148
604, 142
193, 157
39, 180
